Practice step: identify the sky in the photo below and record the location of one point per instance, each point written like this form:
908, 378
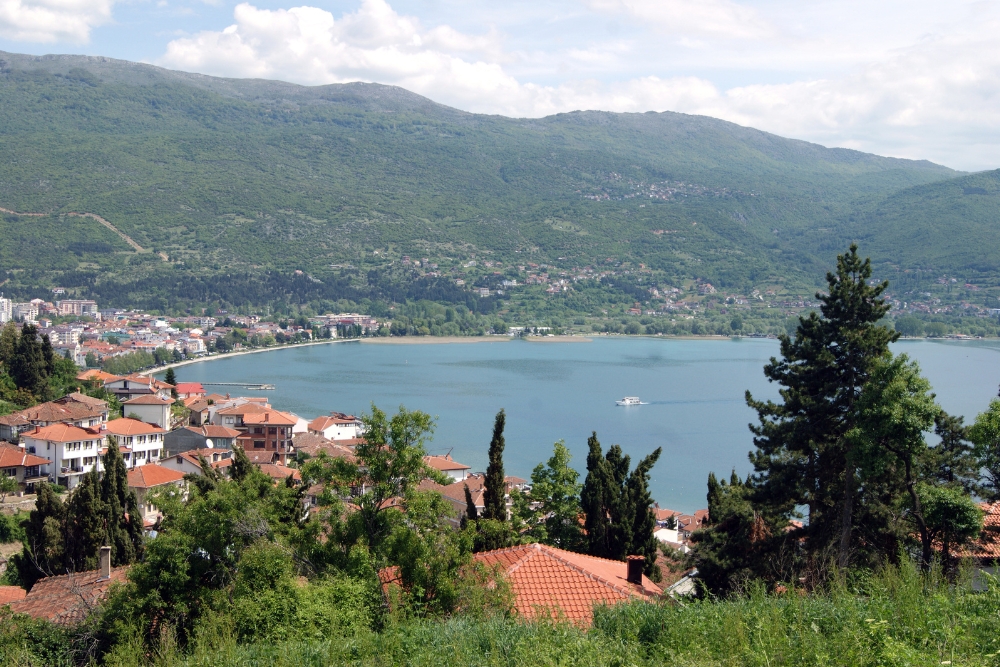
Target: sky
915, 78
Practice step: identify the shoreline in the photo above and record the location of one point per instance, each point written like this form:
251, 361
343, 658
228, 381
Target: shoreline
238, 353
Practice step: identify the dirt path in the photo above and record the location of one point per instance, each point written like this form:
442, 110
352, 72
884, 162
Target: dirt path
124, 237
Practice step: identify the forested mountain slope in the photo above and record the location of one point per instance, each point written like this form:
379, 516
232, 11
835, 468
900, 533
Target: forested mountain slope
242, 177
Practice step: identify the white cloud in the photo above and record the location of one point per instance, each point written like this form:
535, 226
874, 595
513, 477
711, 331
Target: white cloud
52, 20
717, 18
937, 98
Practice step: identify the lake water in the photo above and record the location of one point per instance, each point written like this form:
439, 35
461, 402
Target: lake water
564, 390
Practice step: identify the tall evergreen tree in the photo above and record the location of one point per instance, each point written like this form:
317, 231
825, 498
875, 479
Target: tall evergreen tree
122, 519
171, 379
27, 365
48, 356
639, 502
84, 524
495, 484
241, 467
620, 529
43, 543
803, 457
471, 512
8, 344
595, 498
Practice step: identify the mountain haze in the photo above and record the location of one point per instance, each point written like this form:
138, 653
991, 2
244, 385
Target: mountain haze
249, 176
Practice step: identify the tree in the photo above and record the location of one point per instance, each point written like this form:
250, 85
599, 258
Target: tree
8, 485
550, 512
171, 378
42, 554
28, 364
91, 360
390, 462
641, 521
596, 497
84, 527
8, 343
241, 467
122, 519
471, 512
909, 326
985, 435
803, 458
495, 484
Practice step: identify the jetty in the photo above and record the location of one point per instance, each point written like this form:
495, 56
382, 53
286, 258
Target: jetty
245, 385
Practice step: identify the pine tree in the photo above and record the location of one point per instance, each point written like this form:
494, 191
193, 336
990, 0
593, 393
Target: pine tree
8, 343
495, 484
620, 528
471, 513
122, 519
642, 521
803, 457
48, 356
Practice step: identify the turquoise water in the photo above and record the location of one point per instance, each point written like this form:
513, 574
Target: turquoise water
556, 390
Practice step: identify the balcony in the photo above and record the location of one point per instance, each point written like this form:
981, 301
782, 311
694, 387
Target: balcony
71, 470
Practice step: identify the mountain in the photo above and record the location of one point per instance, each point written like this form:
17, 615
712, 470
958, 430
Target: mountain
231, 180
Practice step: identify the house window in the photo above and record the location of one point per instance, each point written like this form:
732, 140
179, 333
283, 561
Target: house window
258, 444
272, 431
10, 472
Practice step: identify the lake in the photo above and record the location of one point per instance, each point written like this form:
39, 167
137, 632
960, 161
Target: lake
565, 390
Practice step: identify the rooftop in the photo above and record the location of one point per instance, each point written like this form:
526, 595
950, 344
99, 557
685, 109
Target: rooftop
129, 426
149, 399
150, 475
11, 457
68, 598
445, 463
63, 433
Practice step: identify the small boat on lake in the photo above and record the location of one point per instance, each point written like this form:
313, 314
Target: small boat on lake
630, 400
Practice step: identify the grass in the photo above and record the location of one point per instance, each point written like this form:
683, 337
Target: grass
895, 617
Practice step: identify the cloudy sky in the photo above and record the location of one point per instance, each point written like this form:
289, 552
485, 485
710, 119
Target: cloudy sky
913, 78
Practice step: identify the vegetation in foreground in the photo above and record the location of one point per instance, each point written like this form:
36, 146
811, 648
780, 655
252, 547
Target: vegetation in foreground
895, 616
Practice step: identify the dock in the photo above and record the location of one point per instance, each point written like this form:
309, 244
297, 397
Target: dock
244, 385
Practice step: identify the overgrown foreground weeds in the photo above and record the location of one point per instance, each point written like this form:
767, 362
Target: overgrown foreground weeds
895, 617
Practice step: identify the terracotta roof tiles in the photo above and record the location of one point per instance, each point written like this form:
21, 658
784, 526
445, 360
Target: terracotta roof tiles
129, 426
150, 475
11, 457
67, 599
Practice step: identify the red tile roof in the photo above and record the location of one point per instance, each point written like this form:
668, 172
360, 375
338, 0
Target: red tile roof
550, 581
987, 547
243, 409
279, 472
63, 433
149, 399
99, 375
11, 594
326, 421
62, 412
150, 475
213, 431
445, 463
11, 457
190, 388
67, 599
269, 418
129, 426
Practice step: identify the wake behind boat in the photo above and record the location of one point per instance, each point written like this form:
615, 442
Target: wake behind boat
630, 400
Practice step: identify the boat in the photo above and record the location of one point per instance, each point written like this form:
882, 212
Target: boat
629, 400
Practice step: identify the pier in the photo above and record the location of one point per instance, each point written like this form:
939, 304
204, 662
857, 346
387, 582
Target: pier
245, 385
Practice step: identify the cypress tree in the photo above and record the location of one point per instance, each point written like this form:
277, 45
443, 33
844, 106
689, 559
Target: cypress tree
8, 343
471, 513
27, 366
48, 356
620, 530
122, 520
171, 379
241, 466
43, 542
640, 519
803, 457
495, 484
84, 524
595, 499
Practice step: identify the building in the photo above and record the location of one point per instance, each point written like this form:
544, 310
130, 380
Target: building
146, 478
455, 493
6, 310
134, 386
67, 599
187, 462
78, 307
310, 444
190, 438
267, 431
73, 451
143, 442
26, 468
562, 585
449, 466
337, 426
26, 312
150, 408
189, 389
76, 409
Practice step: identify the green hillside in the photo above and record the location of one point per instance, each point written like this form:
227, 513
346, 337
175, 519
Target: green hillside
241, 182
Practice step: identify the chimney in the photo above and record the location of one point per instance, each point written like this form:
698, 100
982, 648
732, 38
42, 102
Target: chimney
635, 564
106, 563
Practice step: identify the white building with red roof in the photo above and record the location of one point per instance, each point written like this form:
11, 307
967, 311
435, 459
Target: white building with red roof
72, 450
144, 479
143, 442
449, 466
337, 426
26, 468
151, 409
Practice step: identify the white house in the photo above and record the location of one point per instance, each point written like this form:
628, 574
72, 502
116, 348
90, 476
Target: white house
72, 450
151, 409
187, 462
143, 441
449, 466
337, 426
144, 479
